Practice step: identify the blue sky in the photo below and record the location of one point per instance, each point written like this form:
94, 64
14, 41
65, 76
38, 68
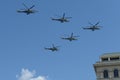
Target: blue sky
23, 38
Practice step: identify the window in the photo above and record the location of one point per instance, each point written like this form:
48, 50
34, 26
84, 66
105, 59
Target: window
104, 59
114, 58
116, 73
105, 73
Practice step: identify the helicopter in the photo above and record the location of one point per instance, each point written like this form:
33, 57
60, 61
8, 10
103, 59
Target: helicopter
71, 37
93, 27
62, 19
27, 10
53, 48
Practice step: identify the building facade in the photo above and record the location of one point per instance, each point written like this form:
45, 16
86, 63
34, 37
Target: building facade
108, 68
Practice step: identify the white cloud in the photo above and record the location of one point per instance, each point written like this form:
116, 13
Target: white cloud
29, 75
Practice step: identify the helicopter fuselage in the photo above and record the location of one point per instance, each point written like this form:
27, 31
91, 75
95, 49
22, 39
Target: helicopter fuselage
61, 20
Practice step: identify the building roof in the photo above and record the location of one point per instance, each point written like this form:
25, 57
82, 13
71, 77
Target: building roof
114, 54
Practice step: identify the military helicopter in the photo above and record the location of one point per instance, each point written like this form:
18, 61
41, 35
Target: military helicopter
71, 37
27, 10
93, 27
53, 48
62, 19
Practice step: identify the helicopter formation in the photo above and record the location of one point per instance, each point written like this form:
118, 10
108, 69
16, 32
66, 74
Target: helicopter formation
70, 38
62, 19
55, 48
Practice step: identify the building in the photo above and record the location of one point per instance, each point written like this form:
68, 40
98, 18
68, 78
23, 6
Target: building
108, 68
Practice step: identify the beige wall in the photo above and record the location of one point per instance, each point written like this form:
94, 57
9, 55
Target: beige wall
110, 66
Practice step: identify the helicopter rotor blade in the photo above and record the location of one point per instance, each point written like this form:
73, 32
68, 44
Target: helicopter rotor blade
96, 23
25, 6
71, 34
90, 23
32, 7
63, 15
